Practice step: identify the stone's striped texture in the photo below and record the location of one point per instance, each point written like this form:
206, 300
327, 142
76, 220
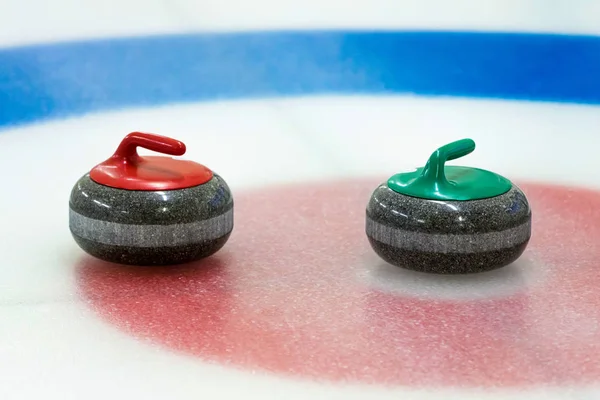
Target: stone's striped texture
151, 227
448, 237
448, 243
112, 233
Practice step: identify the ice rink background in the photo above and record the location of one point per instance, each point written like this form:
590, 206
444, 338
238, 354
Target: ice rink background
315, 103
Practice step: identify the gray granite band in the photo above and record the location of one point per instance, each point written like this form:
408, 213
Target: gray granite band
140, 207
508, 210
448, 243
117, 234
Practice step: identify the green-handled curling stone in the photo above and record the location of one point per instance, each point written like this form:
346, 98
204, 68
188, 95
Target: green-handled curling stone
449, 219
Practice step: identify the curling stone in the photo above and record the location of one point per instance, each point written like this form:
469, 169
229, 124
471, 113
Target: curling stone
449, 219
150, 210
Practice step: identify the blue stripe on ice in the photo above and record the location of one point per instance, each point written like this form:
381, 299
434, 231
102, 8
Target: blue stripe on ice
47, 81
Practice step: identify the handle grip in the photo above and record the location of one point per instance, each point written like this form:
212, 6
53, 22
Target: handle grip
127, 150
434, 169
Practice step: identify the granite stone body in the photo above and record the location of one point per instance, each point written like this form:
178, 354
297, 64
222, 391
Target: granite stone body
448, 237
151, 227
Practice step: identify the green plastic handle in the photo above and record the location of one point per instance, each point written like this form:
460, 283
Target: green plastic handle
435, 167
436, 181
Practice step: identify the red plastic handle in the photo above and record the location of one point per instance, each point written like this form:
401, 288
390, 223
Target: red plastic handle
125, 169
127, 150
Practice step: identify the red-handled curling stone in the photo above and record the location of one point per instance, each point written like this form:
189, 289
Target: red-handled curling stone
150, 210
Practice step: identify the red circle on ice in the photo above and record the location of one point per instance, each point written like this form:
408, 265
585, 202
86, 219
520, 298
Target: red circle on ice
289, 294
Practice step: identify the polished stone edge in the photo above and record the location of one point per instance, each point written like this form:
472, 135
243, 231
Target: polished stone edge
470, 208
449, 243
143, 207
117, 234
